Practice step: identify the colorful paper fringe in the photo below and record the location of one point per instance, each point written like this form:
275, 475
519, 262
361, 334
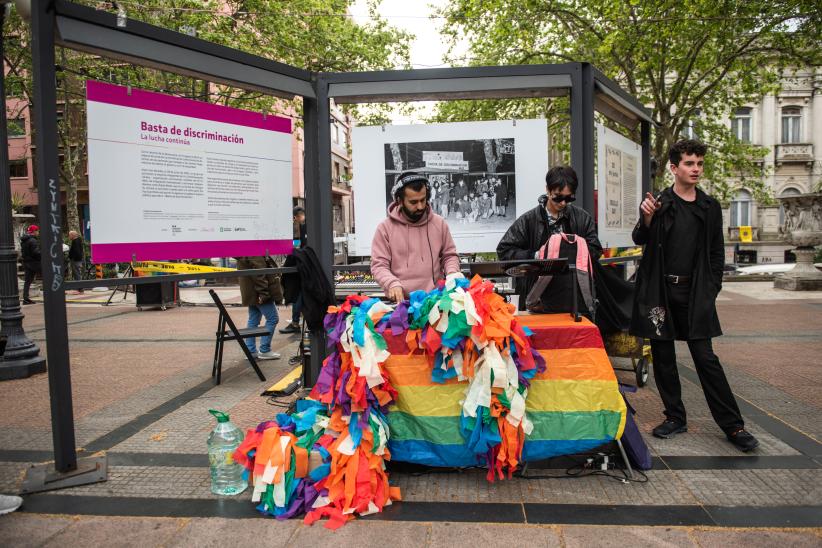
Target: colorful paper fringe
467, 331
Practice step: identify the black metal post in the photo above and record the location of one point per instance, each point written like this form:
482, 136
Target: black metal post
582, 133
22, 356
51, 234
317, 173
572, 271
647, 168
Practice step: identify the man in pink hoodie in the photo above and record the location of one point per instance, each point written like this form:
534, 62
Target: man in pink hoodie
412, 248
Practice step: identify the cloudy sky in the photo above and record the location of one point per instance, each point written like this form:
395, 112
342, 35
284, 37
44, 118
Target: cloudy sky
427, 49
412, 16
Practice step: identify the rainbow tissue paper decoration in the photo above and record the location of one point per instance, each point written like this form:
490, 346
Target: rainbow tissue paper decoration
328, 458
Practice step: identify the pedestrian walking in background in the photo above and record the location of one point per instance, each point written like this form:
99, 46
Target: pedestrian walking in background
30, 251
260, 294
76, 256
678, 279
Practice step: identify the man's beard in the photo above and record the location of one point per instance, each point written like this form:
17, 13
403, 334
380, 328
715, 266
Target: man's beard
413, 216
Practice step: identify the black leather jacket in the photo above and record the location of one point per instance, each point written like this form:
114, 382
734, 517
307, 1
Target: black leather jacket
530, 232
30, 251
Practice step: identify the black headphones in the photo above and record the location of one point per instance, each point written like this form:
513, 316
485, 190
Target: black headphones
406, 178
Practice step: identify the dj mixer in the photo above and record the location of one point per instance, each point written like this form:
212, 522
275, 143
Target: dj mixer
354, 283
363, 283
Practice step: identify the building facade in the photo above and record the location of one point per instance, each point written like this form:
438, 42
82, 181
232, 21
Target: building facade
21, 167
342, 207
342, 192
789, 125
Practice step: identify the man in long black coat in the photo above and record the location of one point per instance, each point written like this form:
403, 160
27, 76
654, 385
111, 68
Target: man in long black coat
679, 277
30, 252
554, 213
76, 256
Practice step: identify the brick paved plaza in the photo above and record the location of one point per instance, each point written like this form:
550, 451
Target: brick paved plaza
142, 387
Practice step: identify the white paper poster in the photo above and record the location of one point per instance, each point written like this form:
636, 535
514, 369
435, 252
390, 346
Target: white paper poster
173, 178
619, 187
613, 187
483, 175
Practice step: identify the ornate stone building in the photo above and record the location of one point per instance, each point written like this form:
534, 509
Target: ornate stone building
789, 124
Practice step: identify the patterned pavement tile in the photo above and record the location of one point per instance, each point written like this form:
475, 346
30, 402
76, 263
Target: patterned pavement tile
186, 429
662, 488
150, 481
564, 490
11, 476
467, 486
32, 439
754, 487
702, 487
757, 538
175, 355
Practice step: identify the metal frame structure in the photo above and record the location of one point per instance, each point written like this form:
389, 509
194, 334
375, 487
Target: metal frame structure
589, 90
58, 22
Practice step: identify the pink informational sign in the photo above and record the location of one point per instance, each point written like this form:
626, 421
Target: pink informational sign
173, 178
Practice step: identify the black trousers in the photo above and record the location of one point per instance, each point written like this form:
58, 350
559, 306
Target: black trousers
76, 270
30, 273
715, 385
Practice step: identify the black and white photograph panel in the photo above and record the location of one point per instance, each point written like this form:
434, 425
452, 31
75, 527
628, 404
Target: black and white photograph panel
473, 182
482, 175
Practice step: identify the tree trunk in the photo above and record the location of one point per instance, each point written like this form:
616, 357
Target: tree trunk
72, 213
72, 118
492, 156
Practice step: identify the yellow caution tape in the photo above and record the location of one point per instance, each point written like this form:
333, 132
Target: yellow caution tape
176, 268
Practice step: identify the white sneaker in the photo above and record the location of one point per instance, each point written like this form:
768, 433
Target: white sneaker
9, 503
268, 356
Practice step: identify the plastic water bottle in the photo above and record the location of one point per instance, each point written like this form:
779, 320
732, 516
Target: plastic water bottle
226, 475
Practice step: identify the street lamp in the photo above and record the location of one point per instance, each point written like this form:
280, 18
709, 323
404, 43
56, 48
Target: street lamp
22, 356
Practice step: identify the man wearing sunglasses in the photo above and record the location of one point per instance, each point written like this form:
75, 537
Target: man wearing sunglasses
412, 248
554, 213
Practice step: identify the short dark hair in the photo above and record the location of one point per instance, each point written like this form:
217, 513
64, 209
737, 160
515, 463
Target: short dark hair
686, 146
559, 177
410, 179
298, 210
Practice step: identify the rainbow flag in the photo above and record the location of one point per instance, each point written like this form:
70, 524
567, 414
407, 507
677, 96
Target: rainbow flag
575, 405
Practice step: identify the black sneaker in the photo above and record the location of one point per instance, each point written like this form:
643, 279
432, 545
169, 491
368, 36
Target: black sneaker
28, 301
669, 428
743, 440
290, 328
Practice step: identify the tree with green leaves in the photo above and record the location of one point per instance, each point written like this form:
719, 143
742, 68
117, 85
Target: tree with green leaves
317, 35
692, 62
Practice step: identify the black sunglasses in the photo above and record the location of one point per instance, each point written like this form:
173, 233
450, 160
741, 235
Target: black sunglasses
559, 198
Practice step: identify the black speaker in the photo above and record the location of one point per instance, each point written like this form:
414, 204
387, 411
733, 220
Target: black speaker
160, 294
